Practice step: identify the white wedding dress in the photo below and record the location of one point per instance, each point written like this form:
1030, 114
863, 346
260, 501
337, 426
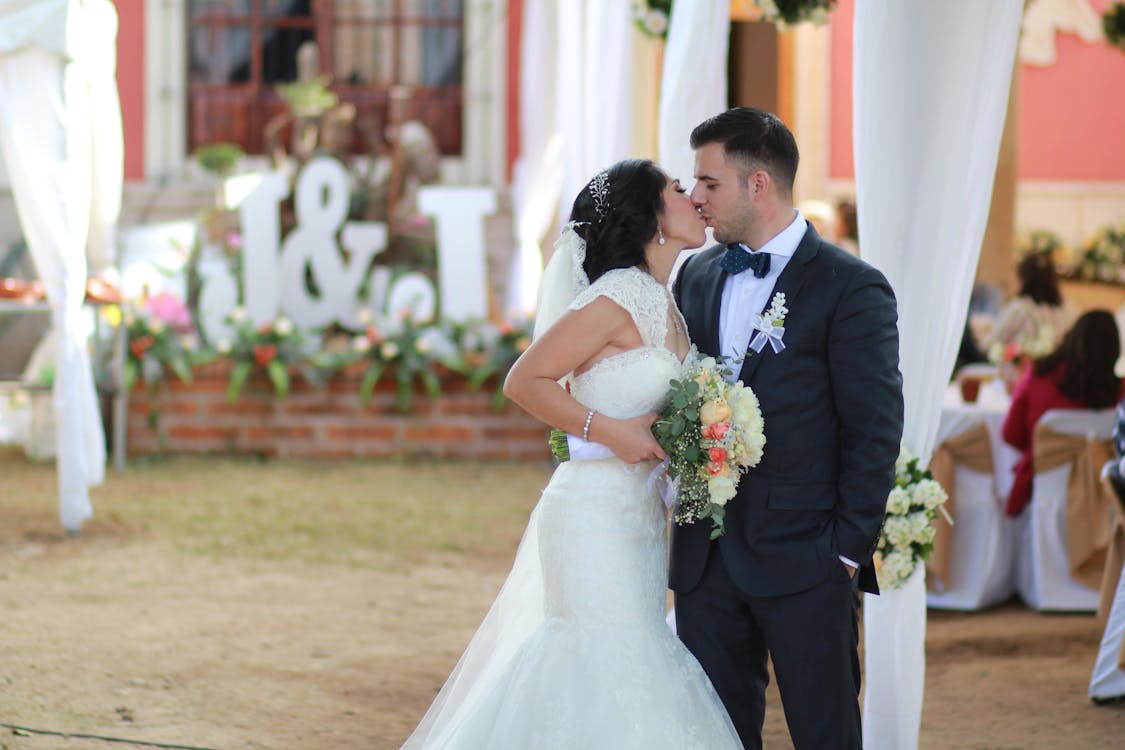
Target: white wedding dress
575, 653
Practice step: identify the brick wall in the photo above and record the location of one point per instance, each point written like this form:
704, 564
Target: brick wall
329, 422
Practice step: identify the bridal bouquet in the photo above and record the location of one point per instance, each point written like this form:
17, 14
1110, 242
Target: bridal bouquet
712, 431
908, 532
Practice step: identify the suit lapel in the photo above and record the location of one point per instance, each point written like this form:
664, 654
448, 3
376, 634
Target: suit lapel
789, 283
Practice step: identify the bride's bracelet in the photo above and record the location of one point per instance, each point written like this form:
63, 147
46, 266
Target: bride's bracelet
586, 427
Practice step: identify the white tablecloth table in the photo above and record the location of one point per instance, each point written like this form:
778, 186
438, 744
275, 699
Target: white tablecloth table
982, 569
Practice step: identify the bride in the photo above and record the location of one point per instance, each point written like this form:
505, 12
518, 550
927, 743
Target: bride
575, 652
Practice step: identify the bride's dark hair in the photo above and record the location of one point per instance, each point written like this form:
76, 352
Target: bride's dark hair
616, 235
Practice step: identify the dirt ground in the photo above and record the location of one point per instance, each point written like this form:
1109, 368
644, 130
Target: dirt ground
139, 632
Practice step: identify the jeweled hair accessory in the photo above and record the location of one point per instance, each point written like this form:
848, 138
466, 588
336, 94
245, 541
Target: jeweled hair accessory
599, 191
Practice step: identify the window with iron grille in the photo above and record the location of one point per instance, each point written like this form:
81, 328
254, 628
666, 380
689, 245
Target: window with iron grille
240, 50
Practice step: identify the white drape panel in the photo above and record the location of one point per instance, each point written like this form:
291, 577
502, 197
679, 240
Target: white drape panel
930, 91
537, 175
39, 23
99, 59
693, 86
894, 638
45, 142
595, 60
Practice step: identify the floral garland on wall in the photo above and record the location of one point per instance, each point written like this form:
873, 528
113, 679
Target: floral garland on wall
652, 16
1100, 259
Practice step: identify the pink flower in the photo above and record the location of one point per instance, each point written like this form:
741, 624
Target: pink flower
717, 455
716, 431
168, 309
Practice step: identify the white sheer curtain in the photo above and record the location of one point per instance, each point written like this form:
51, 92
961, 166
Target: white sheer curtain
46, 135
595, 78
108, 147
930, 90
537, 179
693, 85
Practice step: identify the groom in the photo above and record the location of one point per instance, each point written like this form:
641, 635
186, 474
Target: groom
802, 529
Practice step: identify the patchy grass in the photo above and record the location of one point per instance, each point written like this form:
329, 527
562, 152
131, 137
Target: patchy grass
357, 513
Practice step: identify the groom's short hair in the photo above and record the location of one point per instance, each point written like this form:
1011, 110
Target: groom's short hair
754, 139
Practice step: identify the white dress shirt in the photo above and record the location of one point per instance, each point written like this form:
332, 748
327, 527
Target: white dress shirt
745, 295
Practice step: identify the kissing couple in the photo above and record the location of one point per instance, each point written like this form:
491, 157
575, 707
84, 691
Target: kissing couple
575, 652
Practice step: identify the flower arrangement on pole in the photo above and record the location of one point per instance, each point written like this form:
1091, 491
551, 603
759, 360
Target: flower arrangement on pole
907, 539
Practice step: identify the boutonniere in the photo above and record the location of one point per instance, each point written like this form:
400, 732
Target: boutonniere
770, 327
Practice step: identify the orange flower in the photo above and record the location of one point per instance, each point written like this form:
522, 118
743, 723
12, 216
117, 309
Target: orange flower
141, 345
264, 354
714, 411
505, 328
716, 431
714, 469
373, 335
717, 454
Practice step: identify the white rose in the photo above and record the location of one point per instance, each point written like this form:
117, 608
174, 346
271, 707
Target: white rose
897, 567
364, 315
389, 350
904, 458
237, 314
929, 494
223, 345
898, 502
361, 344
656, 22
721, 488
283, 326
896, 529
189, 341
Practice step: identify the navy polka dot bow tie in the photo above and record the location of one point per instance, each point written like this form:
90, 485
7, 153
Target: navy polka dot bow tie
736, 260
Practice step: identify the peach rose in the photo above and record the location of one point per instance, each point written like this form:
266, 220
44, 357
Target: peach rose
714, 411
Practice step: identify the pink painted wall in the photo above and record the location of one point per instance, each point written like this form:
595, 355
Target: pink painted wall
1072, 114
131, 83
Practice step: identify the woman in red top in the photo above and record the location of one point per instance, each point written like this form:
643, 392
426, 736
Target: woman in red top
1077, 375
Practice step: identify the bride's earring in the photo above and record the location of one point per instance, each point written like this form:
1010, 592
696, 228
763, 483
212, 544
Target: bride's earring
660, 234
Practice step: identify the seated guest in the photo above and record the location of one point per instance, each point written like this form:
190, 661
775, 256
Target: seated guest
1077, 375
1036, 318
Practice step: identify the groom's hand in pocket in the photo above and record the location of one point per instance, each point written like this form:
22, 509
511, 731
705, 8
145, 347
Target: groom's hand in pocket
630, 439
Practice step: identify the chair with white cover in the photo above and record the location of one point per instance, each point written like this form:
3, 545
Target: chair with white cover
972, 564
1108, 679
1065, 527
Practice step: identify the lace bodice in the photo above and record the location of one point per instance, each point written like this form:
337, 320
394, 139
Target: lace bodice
632, 382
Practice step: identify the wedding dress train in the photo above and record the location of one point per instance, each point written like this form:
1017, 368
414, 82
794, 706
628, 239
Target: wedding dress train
575, 652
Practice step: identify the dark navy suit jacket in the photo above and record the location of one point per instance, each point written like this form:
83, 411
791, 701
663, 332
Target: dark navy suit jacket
833, 412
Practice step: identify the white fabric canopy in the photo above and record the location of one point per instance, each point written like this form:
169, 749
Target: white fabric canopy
595, 97
537, 178
931, 91
48, 118
693, 85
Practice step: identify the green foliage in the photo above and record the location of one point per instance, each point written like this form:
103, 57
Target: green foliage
219, 158
1113, 23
